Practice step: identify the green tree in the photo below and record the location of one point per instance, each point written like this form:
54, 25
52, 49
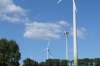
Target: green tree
63, 63
49, 62
41, 64
29, 62
79, 62
71, 62
9, 53
86, 61
97, 61
91, 62
56, 62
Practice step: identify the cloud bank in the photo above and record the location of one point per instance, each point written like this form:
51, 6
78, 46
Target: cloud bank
45, 31
39, 30
35, 30
11, 12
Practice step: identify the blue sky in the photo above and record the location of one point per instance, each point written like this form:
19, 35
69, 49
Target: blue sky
31, 23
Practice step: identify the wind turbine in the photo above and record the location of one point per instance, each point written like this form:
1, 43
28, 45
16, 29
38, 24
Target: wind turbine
48, 50
66, 34
75, 35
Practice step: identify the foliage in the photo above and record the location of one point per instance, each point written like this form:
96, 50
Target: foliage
63, 63
49, 62
29, 62
97, 61
58, 62
41, 64
9, 53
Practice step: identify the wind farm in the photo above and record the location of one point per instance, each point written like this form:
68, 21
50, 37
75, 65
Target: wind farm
32, 33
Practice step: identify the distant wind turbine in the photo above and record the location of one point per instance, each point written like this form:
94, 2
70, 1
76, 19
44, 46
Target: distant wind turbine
66, 34
48, 50
75, 35
59, 1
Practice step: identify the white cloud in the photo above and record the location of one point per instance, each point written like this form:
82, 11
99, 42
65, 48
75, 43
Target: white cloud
83, 29
11, 12
64, 23
80, 32
8, 18
37, 30
7, 6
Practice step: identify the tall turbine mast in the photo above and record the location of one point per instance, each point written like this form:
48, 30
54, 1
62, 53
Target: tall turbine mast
75, 35
47, 49
66, 34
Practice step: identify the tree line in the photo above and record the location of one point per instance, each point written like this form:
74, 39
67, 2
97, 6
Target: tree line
58, 62
10, 56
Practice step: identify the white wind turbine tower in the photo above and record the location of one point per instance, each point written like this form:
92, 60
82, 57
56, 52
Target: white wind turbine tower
66, 34
74, 33
48, 51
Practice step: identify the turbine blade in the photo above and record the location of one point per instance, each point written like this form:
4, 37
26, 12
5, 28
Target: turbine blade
48, 44
50, 52
75, 5
59, 1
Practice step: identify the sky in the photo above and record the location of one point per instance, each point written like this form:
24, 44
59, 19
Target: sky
32, 23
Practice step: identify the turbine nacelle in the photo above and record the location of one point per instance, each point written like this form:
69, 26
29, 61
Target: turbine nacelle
65, 32
46, 49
